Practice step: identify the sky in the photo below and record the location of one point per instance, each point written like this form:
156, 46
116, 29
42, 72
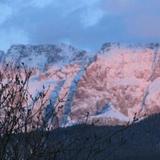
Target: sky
85, 24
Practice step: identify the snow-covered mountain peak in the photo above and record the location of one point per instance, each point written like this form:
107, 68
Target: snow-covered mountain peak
40, 56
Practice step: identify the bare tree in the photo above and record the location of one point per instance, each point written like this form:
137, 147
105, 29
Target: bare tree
20, 112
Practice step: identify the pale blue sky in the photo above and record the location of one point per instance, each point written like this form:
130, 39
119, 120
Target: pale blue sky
83, 23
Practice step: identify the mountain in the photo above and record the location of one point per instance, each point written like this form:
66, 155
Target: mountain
109, 87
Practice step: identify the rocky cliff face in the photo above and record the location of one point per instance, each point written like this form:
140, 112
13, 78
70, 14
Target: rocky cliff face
108, 87
120, 83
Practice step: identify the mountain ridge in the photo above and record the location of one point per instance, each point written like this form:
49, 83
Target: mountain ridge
109, 86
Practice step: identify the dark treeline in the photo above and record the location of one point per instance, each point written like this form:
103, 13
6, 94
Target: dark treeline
89, 142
